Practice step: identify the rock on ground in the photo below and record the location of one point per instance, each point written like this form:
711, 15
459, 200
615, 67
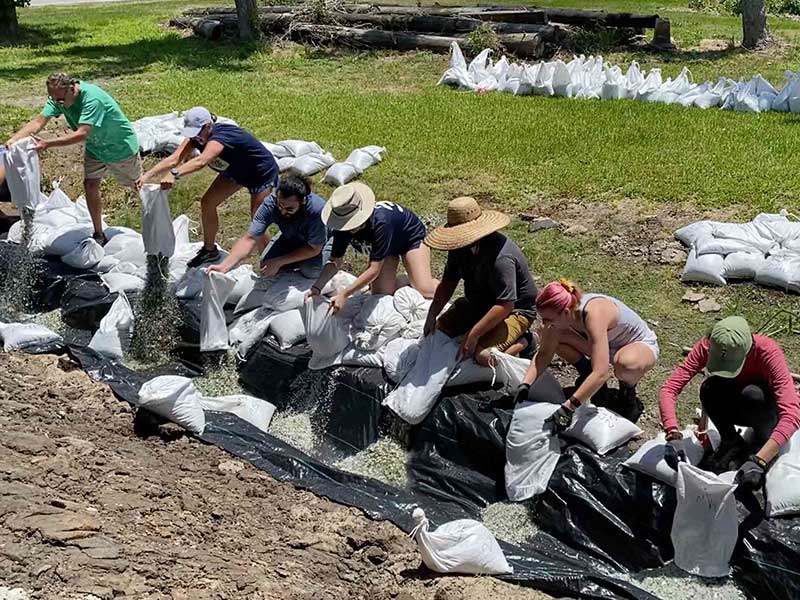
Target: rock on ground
88, 509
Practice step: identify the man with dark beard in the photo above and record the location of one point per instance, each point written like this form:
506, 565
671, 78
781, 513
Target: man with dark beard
298, 246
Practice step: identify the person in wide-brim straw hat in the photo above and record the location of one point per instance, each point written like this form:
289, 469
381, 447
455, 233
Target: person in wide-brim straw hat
749, 385
499, 303
387, 232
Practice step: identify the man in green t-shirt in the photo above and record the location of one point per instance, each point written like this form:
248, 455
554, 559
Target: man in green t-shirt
97, 120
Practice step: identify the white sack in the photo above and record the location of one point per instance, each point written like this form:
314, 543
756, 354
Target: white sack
106, 264
510, 369
157, 232
366, 157
245, 278
191, 284
705, 526
327, 334
413, 399
23, 174
122, 282
377, 323
689, 234
791, 86
300, 147
127, 248
479, 67
288, 328
462, 546
649, 458
532, 450
601, 429
213, 328
277, 150
650, 89
341, 173
704, 269
414, 330
249, 329
286, 291
285, 163
113, 337
64, 240
469, 372
457, 75
85, 256
174, 398
411, 304
782, 489
781, 270
399, 358
310, 164
338, 283
180, 229
255, 411
18, 336
742, 265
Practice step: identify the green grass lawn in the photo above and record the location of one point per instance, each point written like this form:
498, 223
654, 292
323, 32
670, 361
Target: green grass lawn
617, 167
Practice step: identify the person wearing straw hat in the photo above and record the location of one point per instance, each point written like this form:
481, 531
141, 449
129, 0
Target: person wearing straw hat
499, 303
749, 384
240, 160
386, 231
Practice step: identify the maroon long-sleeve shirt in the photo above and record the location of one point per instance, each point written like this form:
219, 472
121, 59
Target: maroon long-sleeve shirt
765, 364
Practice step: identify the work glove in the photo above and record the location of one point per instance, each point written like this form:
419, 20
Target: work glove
561, 419
752, 473
522, 393
674, 452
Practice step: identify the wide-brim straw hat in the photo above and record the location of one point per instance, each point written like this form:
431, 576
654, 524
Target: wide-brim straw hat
466, 224
349, 206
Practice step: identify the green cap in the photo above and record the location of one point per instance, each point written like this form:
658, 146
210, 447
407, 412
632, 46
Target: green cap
730, 341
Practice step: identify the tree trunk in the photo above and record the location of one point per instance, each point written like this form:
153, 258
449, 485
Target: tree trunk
9, 29
248, 19
754, 24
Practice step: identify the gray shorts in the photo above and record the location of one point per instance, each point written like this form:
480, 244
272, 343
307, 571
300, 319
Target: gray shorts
126, 172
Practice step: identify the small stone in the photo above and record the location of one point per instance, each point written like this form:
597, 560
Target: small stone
673, 256
708, 305
691, 296
540, 223
375, 555
230, 466
576, 230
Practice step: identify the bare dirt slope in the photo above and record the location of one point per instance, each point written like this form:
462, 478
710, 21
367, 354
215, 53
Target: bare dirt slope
87, 507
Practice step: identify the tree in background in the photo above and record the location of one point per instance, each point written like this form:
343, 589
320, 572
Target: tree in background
9, 27
247, 12
754, 24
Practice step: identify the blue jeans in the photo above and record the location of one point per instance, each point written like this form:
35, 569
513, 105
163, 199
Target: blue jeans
310, 268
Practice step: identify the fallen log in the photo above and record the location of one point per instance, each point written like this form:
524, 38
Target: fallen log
209, 28
594, 18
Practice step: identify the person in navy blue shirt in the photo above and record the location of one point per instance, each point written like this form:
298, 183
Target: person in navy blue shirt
240, 159
386, 231
298, 214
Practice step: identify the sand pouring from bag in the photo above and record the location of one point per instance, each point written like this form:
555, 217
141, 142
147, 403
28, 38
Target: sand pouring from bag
221, 377
157, 317
670, 583
385, 460
21, 272
295, 429
510, 521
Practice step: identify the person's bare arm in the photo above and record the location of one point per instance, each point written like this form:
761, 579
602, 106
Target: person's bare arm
32, 127
76, 137
548, 343
181, 154
444, 291
598, 319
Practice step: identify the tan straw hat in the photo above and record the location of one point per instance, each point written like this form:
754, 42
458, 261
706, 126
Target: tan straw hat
349, 206
466, 224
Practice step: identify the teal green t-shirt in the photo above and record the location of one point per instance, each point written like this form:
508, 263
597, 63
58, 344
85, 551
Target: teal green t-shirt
112, 137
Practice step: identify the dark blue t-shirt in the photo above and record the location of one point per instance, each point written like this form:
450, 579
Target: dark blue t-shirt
244, 159
308, 228
392, 230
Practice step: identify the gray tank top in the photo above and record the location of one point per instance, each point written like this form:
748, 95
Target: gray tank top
630, 327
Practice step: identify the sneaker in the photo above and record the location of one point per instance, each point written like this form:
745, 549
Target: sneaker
100, 238
203, 256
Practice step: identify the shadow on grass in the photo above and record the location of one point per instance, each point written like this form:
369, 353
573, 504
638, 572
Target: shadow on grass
112, 60
37, 35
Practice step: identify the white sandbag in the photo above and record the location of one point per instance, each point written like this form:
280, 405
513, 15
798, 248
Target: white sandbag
713, 97
23, 174
601, 429
18, 336
756, 236
288, 328
691, 233
413, 399
114, 231
299, 148
510, 369
180, 229
311, 164
782, 488
341, 173
527, 79
705, 527
457, 75
469, 372
562, 79
57, 199
462, 546
377, 323
742, 265
689, 97
673, 89
651, 87
85, 256
157, 232
338, 283
285, 163
130, 268
64, 240
777, 228
781, 270
704, 269
255, 411
351, 357
127, 248
721, 246
213, 328
285, 291
122, 282
411, 304
249, 329
399, 358
480, 66
414, 330
634, 78
543, 83
277, 150
113, 337
791, 86
364, 158
245, 279
106, 264
532, 450
615, 86
174, 398
649, 458
191, 284
327, 334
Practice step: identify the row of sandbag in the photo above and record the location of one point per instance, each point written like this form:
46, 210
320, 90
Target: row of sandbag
162, 134
594, 78
766, 250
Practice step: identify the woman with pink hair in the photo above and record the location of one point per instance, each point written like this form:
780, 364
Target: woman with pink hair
591, 332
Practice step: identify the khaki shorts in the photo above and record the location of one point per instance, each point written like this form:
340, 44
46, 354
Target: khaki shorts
462, 316
126, 172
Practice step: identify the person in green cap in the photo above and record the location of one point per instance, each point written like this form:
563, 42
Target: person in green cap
749, 384
96, 120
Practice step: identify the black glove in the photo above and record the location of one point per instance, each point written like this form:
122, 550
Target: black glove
522, 393
560, 419
752, 473
673, 455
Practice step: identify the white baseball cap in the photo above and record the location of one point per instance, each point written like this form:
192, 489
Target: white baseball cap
194, 120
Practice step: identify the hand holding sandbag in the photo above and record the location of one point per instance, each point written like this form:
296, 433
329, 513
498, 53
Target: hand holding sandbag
673, 456
561, 419
752, 473
522, 393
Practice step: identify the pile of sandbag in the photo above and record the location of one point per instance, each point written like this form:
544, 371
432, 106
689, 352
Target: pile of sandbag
594, 78
359, 161
162, 133
767, 250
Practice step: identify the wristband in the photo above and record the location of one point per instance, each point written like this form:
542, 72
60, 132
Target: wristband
314, 287
573, 402
759, 461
